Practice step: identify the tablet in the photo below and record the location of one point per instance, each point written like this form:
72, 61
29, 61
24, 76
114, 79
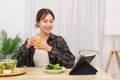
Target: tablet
83, 66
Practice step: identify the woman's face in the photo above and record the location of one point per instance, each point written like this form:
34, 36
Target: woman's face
46, 24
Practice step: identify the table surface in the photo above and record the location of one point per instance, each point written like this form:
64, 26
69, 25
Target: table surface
36, 73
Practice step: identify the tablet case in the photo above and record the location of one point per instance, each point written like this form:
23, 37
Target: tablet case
83, 67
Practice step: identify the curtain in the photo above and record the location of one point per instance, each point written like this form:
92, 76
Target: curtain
82, 26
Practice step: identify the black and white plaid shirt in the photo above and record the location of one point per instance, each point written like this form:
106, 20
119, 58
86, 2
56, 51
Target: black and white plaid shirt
60, 53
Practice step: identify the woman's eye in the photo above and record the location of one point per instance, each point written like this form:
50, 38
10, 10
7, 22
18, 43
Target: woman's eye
45, 21
51, 21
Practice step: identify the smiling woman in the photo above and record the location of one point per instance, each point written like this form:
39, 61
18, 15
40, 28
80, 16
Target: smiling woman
51, 48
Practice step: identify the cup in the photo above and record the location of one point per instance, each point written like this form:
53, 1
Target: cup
7, 66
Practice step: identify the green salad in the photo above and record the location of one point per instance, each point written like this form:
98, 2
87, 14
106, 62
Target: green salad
53, 66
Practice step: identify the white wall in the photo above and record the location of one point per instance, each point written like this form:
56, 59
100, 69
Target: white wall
12, 17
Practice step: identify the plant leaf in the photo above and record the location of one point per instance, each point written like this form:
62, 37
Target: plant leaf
8, 45
13, 46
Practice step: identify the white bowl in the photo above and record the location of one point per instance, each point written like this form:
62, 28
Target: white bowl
55, 71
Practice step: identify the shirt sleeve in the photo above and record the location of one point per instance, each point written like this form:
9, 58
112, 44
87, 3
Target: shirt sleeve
22, 55
62, 55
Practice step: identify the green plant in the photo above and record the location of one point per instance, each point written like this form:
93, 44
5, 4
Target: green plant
8, 45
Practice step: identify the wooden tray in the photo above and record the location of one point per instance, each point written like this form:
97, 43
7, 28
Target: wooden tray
16, 71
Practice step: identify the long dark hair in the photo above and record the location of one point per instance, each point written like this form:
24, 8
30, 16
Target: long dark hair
42, 13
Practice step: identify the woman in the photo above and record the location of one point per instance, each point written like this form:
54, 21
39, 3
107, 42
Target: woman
51, 49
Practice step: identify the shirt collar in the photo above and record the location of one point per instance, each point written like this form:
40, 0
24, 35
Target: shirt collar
52, 36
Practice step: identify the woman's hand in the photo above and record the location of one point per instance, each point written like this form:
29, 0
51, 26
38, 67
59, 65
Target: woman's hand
43, 45
31, 42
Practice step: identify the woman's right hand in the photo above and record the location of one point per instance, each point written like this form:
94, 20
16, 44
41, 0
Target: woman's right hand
31, 41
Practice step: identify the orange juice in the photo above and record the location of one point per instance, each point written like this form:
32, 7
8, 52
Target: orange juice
38, 38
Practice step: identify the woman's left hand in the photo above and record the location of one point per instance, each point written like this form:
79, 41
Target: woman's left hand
43, 45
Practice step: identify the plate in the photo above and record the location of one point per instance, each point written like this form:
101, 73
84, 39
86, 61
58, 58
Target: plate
55, 71
16, 71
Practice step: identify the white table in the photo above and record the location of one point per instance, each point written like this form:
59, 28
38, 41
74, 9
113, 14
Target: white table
36, 73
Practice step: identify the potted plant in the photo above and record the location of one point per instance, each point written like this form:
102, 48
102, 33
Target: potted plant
8, 46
